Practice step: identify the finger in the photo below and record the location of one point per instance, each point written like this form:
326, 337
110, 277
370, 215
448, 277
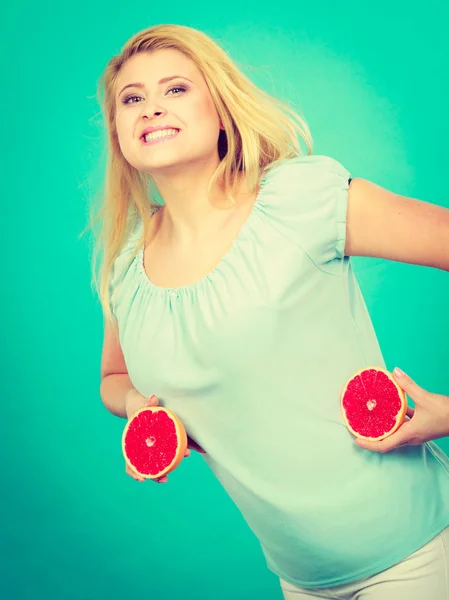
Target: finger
410, 411
192, 444
136, 477
401, 437
408, 385
187, 453
133, 474
163, 479
153, 400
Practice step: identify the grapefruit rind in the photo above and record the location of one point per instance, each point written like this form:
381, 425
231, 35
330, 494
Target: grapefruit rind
400, 417
180, 434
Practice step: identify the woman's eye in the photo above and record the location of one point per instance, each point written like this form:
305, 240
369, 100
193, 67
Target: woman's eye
128, 98
177, 88
133, 97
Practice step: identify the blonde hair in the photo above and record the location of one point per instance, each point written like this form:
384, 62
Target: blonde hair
259, 130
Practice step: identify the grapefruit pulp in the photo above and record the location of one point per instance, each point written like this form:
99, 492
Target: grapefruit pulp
154, 442
373, 405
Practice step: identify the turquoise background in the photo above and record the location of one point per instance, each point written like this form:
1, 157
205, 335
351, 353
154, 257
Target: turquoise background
371, 84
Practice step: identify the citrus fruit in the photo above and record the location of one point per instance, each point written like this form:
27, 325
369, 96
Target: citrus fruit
154, 442
372, 404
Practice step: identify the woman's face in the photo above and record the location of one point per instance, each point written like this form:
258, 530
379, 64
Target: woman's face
183, 103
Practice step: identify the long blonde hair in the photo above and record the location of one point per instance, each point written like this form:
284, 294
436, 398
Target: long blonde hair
259, 130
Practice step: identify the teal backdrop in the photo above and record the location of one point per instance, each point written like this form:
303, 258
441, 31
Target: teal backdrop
372, 83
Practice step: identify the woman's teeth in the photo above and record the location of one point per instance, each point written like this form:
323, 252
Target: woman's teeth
157, 135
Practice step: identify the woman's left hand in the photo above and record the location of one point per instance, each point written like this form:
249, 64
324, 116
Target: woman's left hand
429, 419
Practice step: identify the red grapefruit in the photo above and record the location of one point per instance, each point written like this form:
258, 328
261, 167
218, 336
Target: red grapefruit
154, 442
372, 404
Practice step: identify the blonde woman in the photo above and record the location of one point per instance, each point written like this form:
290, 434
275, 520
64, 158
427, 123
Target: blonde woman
233, 301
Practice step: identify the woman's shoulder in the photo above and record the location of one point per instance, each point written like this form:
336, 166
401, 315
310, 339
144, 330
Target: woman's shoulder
302, 185
133, 239
305, 199
308, 171
135, 229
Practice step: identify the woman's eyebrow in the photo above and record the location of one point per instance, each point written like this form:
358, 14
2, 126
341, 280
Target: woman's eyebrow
163, 80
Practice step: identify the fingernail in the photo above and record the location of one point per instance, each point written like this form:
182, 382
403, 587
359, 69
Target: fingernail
398, 372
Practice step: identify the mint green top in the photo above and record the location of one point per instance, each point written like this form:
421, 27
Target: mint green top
253, 358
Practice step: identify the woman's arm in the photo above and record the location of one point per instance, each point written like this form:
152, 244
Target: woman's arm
383, 224
386, 225
116, 390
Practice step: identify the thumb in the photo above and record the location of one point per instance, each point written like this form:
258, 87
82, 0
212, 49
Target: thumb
153, 400
408, 385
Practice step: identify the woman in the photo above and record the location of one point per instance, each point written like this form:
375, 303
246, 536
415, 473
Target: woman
237, 308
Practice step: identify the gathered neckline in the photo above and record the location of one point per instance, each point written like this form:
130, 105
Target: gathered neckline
206, 278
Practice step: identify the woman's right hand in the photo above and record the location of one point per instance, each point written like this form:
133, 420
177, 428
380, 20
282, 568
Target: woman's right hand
133, 402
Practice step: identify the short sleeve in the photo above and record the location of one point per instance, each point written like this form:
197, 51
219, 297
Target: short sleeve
121, 266
306, 198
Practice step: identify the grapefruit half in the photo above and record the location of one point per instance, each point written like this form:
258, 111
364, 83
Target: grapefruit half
372, 404
154, 442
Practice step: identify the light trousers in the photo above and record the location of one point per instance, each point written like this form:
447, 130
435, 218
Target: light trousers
424, 575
